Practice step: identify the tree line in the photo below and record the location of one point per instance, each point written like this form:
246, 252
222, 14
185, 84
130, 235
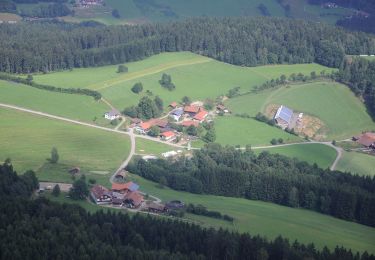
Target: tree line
227, 171
29, 81
41, 229
49, 46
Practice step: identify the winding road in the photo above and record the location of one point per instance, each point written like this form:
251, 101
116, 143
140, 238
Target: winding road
133, 137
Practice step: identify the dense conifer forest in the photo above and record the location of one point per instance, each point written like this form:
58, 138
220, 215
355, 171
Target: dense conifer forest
229, 172
40, 229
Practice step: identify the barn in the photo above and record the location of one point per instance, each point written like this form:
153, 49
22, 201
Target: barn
283, 116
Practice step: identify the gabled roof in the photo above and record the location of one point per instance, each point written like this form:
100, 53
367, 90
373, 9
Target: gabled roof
99, 190
191, 109
178, 112
113, 112
125, 186
367, 139
190, 123
145, 125
135, 197
201, 115
173, 104
284, 113
168, 134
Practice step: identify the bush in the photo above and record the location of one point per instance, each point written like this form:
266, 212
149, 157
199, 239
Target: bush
137, 88
122, 69
273, 141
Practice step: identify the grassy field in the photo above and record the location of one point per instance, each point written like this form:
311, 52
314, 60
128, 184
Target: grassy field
148, 147
28, 140
242, 131
271, 220
358, 163
195, 76
6, 17
342, 113
320, 154
76, 107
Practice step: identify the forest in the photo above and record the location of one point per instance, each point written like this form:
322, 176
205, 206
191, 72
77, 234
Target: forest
227, 171
41, 229
47, 46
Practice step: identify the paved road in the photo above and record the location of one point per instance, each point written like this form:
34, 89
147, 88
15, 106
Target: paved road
63, 186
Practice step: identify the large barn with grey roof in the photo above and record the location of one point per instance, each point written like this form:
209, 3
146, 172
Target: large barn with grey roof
283, 116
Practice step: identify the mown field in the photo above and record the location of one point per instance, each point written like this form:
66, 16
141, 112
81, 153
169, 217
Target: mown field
76, 107
195, 76
342, 113
233, 130
28, 141
320, 154
271, 220
148, 147
357, 163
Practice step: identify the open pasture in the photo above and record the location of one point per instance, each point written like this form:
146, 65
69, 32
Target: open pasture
78, 107
342, 113
271, 220
243, 131
357, 163
320, 154
195, 76
28, 141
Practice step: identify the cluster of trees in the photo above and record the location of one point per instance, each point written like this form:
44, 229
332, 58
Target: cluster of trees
228, 171
359, 75
147, 108
203, 211
49, 10
243, 41
64, 231
29, 81
166, 82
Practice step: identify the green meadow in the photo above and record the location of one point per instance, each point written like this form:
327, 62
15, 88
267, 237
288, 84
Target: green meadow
148, 147
342, 113
322, 155
195, 76
270, 220
76, 107
357, 163
28, 140
233, 130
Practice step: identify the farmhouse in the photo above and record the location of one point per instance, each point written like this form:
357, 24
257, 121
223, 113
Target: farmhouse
366, 139
143, 127
201, 115
283, 116
101, 195
112, 115
191, 110
133, 199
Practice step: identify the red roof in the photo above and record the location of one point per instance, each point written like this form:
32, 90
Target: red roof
145, 125
189, 123
121, 186
135, 197
201, 115
191, 109
367, 139
173, 104
158, 122
168, 134
98, 191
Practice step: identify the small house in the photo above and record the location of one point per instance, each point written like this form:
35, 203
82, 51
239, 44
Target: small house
191, 110
112, 115
156, 207
100, 195
283, 116
166, 136
74, 170
143, 127
173, 105
175, 204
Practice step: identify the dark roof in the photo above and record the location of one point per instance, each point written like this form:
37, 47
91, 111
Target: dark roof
178, 111
284, 113
99, 190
